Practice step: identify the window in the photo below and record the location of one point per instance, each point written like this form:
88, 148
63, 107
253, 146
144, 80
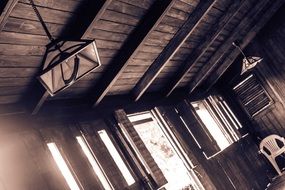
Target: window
211, 125
218, 123
61, 164
166, 153
116, 157
94, 163
252, 95
150, 169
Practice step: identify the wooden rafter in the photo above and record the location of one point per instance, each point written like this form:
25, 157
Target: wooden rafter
7, 9
111, 103
194, 57
130, 48
96, 10
251, 19
233, 55
172, 47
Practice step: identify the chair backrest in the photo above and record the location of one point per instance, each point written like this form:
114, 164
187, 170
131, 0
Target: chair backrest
270, 143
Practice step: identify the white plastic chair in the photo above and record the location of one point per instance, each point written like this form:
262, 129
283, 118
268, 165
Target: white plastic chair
272, 147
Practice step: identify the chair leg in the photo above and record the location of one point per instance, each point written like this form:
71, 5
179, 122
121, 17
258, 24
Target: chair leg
276, 167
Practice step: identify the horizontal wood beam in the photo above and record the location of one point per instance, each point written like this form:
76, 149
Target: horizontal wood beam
198, 52
249, 37
79, 107
172, 47
6, 7
130, 48
251, 19
90, 14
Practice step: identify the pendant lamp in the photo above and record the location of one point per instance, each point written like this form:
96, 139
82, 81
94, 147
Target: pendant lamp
66, 61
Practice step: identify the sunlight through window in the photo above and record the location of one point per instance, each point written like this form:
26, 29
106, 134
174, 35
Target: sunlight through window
116, 157
211, 125
94, 163
63, 166
160, 145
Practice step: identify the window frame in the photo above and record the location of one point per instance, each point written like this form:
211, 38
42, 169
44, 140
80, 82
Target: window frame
100, 173
221, 119
54, 148
157, 117
121, 164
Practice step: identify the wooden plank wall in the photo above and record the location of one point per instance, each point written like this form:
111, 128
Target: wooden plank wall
27, 164
243, 165
241, 161
237, 167
269, 44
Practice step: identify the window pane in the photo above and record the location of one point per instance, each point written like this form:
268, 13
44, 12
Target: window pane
94, 163
211, 125
117, 158
63, 166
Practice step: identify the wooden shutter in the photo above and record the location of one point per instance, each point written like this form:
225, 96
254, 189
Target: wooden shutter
90, 130
208, 145
127, 126
252, 95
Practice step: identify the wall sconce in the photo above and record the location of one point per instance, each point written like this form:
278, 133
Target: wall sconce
248, 62
65, 62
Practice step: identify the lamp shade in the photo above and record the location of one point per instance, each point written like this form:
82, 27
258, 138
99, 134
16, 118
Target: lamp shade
249, 62
66, 62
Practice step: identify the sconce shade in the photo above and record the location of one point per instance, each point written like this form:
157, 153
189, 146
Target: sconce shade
66, 62
249, 62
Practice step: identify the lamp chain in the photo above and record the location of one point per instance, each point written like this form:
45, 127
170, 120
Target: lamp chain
41, 21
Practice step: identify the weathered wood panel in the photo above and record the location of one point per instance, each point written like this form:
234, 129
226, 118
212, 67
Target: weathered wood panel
237, 167
26, 11
27, 163
268, 44
243, 165
131, 47
31, 27
23, 39
63, 5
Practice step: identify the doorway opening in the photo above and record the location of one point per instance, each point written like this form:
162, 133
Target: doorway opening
168, 155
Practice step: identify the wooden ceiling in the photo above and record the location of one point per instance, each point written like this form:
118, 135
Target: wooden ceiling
144, 45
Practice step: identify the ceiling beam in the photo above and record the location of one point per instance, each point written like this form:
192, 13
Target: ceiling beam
80, 107
90, 13
6, 7
130, 48
172, 47
249, 37
252, 18
198, 52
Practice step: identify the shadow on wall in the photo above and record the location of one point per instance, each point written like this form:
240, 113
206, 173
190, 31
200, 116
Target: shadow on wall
2, 5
